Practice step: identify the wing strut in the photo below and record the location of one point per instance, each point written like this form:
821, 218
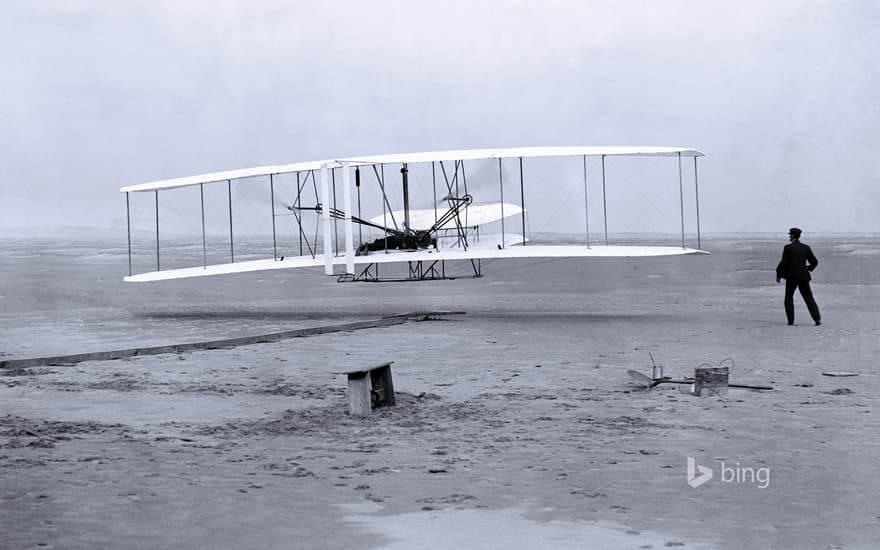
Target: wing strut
204, 238
231, 242
357, 185
298, 220
434, 186
128, 225
586, 203
464, 182
335, 225
346, 204
327, 239
697, 191
384, 203
272, 200
157, 230
501, 187
522, 196
404, 172
604, 204
681, 199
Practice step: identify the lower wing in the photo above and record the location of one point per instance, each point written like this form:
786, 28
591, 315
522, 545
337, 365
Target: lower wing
428, 255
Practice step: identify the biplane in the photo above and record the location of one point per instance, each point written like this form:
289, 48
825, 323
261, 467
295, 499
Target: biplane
453, 228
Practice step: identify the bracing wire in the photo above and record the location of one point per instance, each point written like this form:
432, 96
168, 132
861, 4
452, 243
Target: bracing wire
711, 388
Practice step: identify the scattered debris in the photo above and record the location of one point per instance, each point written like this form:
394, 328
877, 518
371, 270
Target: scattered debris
706, 377
840, 391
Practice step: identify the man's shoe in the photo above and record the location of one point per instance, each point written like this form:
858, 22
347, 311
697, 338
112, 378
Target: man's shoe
790, 324
818, 323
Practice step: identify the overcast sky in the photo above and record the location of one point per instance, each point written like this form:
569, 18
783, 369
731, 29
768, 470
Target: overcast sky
782, 96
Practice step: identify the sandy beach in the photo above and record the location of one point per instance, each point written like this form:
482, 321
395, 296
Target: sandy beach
517, 425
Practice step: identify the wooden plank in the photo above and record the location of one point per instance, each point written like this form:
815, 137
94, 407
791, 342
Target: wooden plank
364, 370
360, 402
387, 385
67, 360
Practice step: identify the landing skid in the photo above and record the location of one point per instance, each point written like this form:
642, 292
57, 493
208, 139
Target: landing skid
418, 271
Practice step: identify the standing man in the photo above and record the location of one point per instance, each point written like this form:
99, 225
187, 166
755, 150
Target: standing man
795, 267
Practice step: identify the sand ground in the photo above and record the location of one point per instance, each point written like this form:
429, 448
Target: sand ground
517, 425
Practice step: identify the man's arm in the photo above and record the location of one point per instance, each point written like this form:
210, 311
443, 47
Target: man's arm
811, 260
780, 269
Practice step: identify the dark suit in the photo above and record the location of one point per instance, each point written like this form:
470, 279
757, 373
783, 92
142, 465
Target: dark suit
795, 267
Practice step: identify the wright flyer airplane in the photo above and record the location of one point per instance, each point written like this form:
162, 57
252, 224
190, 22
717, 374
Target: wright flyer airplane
423, 210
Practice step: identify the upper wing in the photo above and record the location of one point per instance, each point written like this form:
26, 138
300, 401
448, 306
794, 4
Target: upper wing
429, 156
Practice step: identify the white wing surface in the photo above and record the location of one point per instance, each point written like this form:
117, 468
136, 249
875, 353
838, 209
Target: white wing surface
474, 253
429, 156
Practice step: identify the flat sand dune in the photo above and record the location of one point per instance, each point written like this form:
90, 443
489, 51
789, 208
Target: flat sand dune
516, 425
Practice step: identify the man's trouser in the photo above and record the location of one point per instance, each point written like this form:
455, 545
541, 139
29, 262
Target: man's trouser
806, 292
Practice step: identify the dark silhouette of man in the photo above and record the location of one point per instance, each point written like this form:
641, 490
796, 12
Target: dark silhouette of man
795, 267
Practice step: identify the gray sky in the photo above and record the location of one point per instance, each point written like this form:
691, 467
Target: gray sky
782, 96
